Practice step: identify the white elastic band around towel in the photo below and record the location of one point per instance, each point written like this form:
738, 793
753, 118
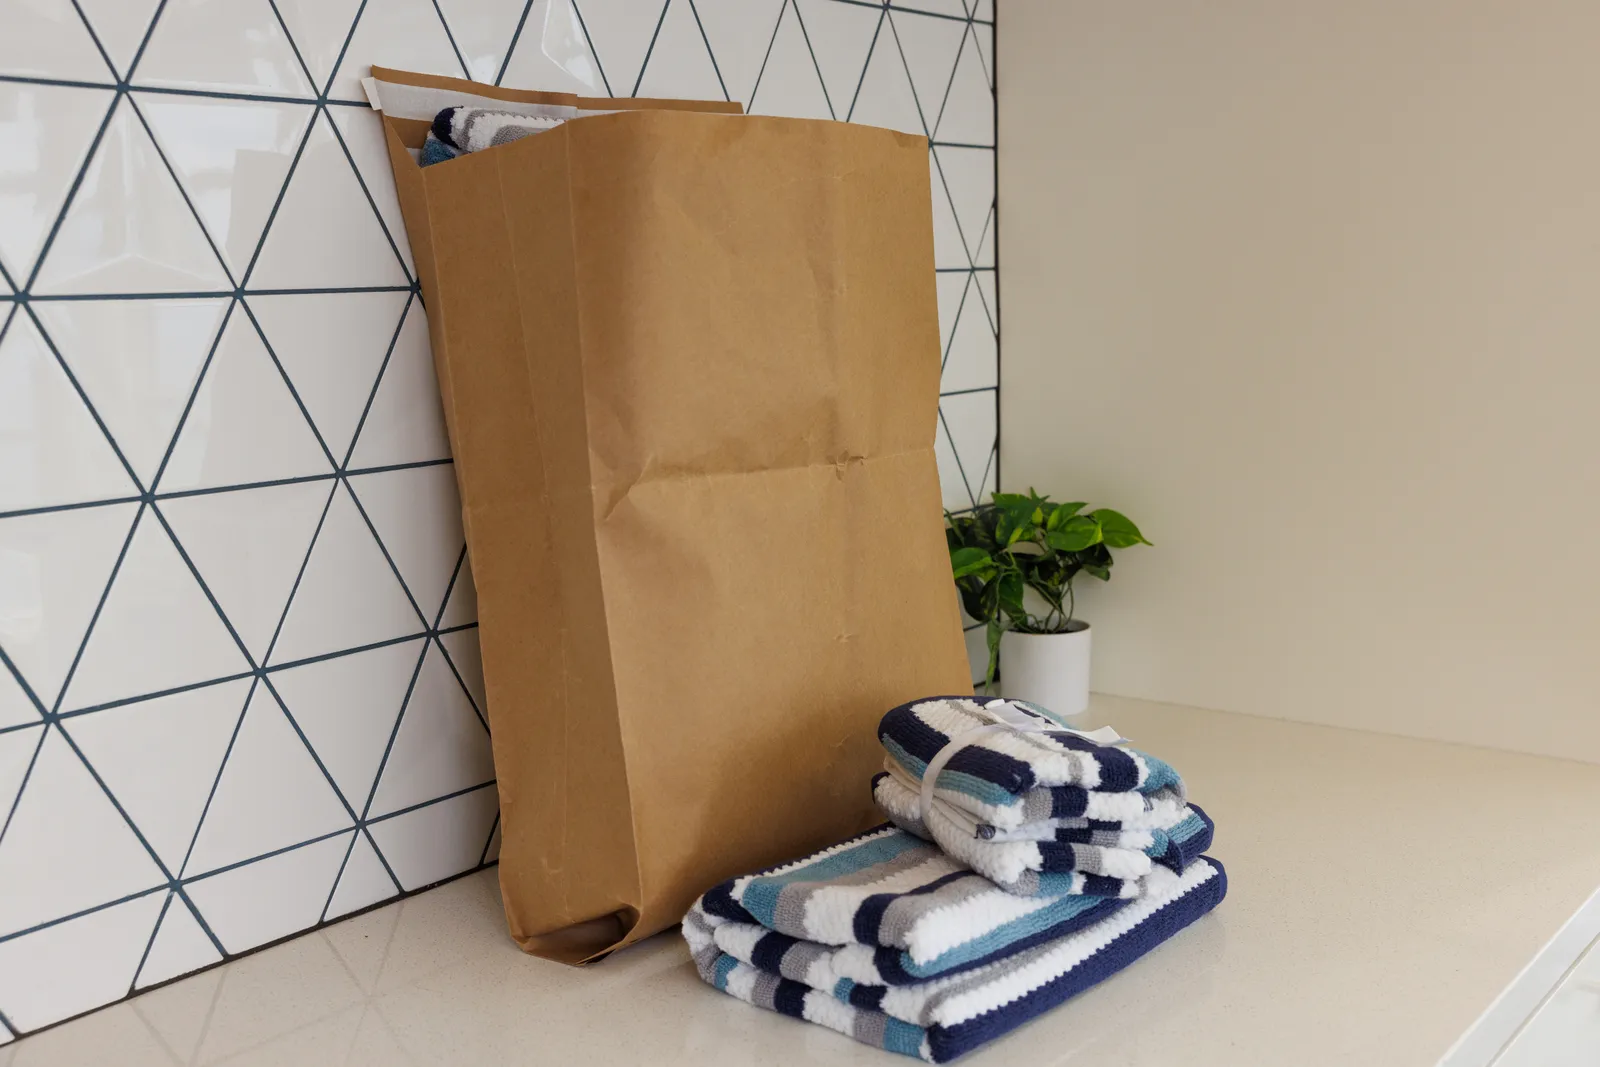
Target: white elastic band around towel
1012, 720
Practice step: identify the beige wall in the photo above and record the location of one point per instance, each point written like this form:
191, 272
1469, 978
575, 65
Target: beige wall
1312, 290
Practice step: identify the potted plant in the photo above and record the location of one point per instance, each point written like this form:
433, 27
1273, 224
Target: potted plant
1014, 562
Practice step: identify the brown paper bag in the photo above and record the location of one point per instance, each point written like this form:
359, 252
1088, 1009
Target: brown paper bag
690, 366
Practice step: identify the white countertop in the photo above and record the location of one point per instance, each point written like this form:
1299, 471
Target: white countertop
1382, 892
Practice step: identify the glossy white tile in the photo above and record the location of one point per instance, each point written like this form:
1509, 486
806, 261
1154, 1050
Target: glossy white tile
53, 571
74, 966
966, 115
439, 840
970, 420
417, 513
128, 228
953, 8
465, 656
363, 882
403, 34
968, 179
232, 158
952, 293
137, 361
120, 26
982, 9
51, 450
842, 37
442, 746
553, 52
159, 758
272, 897
222, 45
406, 421
620, 31
319, 29
156, 631
680, 66
886, 97
349, 596
331, 345
362, 132
16, 709
17, 749
972, 358
929, 46
67, 849
271, 796
739, 33
949, 250
789, 84
179, 946
242, 401
325, 233
249, 546
482, 31
47, 39
347, 707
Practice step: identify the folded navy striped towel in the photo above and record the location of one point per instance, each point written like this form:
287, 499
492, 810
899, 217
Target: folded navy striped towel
472, 129
887, 908
1036, 859
1009, 779
937, 1018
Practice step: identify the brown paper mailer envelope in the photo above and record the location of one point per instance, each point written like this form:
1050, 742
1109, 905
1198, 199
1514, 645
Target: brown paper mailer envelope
690, 365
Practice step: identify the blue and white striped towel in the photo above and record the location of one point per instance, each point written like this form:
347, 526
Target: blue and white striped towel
947, 1016
1038, 862
1010, 779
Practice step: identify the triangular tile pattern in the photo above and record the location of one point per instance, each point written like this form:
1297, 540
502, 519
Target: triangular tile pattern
789, 84
347, 707
364, 881
58, 567
234, 47
553, 52
621, 32
680, 66
129, 228
403, 34
137, 361
53, 126
841, 38
51, 450
348, 596
243, 399
272, 897
249, 546
271, 795
62, 970
417, 514
231, 157
66, 848
442, 746
120, 26
159, 758
156, 630
325, 234
332, 346
180, 946
234, 173
739, 33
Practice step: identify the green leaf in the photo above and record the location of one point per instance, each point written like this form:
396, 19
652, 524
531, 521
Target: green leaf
995, 631
1010, 500
965, 561
1075, 535
1118, 530
1102, 573
1011, 586
1038, 516
1063, 512
1016, 535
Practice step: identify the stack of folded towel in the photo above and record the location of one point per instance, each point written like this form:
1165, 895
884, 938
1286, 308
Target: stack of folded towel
457, 130
1037, 864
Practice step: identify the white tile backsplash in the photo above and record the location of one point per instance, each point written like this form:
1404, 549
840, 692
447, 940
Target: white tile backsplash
240, 692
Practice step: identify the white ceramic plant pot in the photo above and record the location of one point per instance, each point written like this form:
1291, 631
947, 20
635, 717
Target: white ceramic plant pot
1051, 670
